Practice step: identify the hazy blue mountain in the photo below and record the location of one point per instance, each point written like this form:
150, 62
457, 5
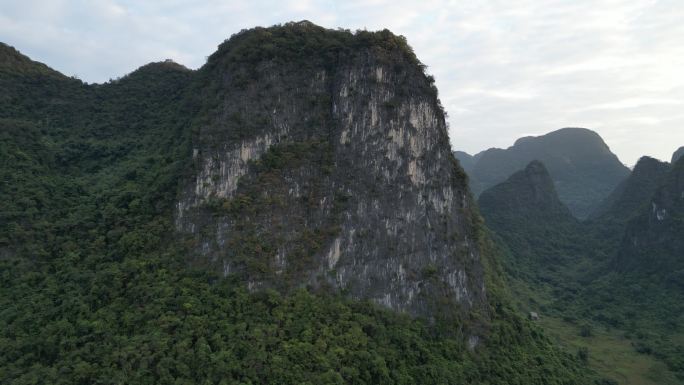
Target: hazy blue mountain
634, 192
654, 239
466, 160
623, 269
530, 192
538, 229
677, 154
581, 165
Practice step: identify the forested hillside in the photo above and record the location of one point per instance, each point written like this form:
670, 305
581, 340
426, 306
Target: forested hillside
581, 165
97, 285
609, 287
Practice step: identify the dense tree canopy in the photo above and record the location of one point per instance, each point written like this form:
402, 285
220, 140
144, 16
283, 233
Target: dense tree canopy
95, 287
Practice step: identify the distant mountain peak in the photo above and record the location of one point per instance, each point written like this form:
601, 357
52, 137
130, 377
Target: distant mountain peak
677, 154
645, 163
580, 163
14, 62
466, 160
165, 66
525, 210
566, 132
530, 190
653, 240
633, 192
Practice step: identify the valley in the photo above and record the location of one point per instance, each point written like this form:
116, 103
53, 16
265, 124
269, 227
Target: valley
594, 293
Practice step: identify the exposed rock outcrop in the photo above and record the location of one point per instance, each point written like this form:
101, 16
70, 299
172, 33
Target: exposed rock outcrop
331, 167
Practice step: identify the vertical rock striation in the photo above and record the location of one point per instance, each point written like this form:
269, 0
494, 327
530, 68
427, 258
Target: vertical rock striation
327, 163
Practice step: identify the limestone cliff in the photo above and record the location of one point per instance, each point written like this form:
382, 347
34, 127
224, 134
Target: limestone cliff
326, 161
654, 238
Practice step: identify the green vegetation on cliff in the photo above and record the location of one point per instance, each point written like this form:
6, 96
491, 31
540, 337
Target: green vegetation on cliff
95, 285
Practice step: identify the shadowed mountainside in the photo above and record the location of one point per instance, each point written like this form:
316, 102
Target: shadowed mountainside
581, 165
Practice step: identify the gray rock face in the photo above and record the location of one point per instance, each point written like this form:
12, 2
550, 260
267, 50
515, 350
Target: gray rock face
337, 175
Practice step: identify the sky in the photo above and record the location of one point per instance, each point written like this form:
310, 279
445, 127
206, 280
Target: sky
504, 69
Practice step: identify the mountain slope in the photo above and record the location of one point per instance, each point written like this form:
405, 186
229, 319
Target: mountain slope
653, 241
633, 192
466, 160
620, 271
105, 280
610, 285
539, 231
579, 162
677, 154
640, 289
12, 62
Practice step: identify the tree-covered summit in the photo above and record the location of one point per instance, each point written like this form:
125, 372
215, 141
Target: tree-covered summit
305, 42
677, 154
13, 62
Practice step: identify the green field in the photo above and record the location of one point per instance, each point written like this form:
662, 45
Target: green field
611, 354
611, 351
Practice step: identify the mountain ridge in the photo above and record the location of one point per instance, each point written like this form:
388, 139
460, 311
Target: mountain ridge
621, 269
677, 154
579, 161
527, 214
647, 175
657, 229
13, 62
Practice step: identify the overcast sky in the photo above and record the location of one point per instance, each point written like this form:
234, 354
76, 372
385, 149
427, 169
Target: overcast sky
504, 69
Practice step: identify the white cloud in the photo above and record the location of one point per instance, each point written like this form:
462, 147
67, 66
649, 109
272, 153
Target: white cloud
503, 67
634, 103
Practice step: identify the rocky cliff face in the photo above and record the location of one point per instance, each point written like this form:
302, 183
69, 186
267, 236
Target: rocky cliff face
654, 239
330, 165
